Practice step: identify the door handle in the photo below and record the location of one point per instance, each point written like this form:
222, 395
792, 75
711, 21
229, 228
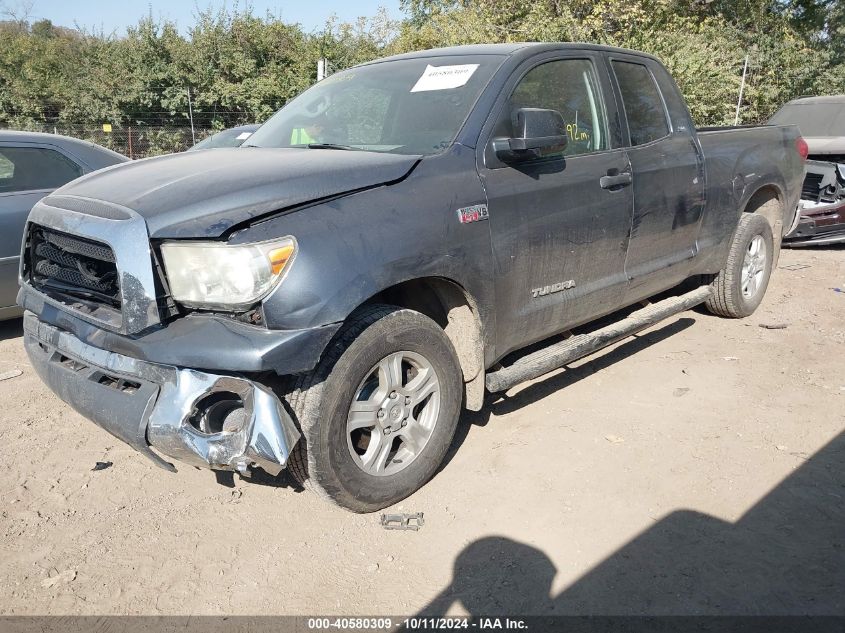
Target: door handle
618, 180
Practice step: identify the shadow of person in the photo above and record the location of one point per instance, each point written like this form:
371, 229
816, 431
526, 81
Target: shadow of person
784, 557
498, 576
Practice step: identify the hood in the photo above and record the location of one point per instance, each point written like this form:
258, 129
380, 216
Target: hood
203, 194
826, 144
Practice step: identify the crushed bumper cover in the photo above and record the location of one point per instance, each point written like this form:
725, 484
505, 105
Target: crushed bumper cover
151, 405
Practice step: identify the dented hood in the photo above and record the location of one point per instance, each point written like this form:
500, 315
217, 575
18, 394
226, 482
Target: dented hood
203, 194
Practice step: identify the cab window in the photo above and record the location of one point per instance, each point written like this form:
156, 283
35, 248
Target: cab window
643, 104
569, 86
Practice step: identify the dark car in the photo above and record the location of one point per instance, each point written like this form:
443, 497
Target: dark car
396, 242
822, 124
233, 137
31, 166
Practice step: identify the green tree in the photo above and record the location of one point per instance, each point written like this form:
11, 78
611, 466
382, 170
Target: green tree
241, 67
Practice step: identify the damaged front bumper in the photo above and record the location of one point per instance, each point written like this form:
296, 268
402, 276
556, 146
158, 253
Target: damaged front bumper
222, 422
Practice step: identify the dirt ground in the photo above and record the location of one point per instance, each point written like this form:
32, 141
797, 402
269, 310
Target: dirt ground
697, 468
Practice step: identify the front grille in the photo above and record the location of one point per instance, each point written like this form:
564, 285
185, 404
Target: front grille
73, 266
810, 188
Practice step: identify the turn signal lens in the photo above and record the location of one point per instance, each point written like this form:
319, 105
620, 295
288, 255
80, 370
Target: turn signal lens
279, 258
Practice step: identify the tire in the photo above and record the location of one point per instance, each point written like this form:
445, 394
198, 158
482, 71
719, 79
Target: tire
331, 460
735, 295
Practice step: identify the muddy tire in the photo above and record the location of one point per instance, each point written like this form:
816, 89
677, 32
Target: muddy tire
379, 412
740, 286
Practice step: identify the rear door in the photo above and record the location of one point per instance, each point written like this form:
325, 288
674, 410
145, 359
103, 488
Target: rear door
28, 172
668, 172
559, 226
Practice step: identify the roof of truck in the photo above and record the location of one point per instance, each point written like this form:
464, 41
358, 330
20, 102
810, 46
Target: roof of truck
508, 49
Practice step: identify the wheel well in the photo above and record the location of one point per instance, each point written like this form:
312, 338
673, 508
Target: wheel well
759, 203
451, 307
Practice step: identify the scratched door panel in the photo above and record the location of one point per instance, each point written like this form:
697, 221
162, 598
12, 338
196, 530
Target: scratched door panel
559, 244
668, 179
668, 205
559, 238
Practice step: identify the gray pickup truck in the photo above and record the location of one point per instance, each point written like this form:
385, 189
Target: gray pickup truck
400, 240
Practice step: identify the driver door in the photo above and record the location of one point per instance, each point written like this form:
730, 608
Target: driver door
559, 225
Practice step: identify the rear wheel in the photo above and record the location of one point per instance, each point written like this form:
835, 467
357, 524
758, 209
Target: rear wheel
740, 286
379, 411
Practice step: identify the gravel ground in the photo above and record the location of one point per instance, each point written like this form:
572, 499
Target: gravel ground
696, 468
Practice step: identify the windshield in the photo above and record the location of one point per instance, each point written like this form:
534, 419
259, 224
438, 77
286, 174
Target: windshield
813, 119
409, 106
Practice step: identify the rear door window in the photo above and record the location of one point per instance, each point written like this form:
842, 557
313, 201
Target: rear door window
643, 103
33, 168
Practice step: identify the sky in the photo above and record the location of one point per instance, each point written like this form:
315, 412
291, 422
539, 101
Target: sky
116, 15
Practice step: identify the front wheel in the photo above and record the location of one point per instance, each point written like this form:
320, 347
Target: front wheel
379, 412
741, 284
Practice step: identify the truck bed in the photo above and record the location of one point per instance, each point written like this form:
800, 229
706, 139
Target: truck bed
737, 160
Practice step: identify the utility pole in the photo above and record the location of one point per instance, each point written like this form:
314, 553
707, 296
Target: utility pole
741, 90
191, 117
321, 69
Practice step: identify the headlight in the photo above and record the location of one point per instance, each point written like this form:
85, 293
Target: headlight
217, 275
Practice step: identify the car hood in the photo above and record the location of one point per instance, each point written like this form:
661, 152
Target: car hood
826, 144
205, 193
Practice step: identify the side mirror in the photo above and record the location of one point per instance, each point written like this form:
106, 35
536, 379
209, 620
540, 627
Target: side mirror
538, 132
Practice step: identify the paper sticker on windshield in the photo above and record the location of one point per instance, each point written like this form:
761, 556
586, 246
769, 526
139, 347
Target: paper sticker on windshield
444, 77
243, 136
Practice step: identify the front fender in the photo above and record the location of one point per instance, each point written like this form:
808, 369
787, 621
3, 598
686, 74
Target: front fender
352, 248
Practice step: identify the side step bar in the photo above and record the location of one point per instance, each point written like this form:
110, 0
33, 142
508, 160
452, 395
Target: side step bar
569, 350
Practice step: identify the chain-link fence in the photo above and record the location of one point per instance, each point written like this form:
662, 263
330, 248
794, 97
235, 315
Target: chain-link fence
132, 141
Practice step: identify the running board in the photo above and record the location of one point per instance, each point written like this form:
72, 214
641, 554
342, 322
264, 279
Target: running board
555, 356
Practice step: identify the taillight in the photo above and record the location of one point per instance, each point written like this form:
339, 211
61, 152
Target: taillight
802, 148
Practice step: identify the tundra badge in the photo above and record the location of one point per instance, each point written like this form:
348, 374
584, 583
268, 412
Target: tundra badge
558, 287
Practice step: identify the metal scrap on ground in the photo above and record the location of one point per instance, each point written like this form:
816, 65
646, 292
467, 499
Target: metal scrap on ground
402, 521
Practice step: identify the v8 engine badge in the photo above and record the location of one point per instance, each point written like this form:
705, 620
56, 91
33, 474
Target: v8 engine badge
473, 214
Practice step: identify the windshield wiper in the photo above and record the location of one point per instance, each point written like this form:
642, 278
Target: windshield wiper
329, 146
